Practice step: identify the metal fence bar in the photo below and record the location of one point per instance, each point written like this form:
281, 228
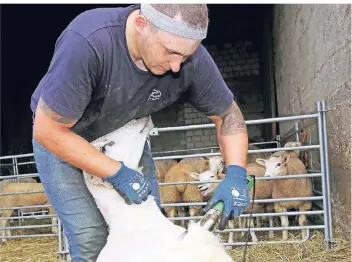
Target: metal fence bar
16, 156
257, 179
257, 201
21, 193
20, 176
270, 228
213, 147
59, 233
291, 213
31, 226
185, 150
155, 131
297, 131
327, 168
268, 150
28, 236
28, 217
24, 207
323, 181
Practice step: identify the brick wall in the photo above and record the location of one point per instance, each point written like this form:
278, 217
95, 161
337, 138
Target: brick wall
235, 60
313, 46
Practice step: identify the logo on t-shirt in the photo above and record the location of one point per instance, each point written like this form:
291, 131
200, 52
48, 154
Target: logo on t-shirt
155, 95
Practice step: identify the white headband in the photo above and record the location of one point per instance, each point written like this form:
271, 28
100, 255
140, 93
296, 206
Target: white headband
172, 26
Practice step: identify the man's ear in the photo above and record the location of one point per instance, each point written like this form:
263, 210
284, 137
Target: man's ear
141, 24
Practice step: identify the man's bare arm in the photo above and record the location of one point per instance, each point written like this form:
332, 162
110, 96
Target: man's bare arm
232, 135
52, 131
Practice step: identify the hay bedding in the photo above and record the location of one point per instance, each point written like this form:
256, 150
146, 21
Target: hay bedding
39, 249
44, 249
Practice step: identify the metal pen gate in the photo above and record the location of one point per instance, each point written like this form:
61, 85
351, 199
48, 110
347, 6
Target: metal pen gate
323, 174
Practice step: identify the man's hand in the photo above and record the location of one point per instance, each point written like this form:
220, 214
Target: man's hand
130, 184
233, 191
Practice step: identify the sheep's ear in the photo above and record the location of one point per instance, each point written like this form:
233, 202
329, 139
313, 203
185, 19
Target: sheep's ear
194, 175
261, 161
285, 159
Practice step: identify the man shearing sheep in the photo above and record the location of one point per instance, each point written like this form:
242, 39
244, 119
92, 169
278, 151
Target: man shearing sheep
112, 65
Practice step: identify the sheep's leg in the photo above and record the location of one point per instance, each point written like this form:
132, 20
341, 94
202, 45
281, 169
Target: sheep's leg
231, 225
193, 211
302, 222
3, 224
284, 221
271, 224
253, 235
170, 213
54, 220
258, 221
182, 213
242, 221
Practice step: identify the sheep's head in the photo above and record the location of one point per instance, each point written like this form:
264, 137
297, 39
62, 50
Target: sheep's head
275, 165
216, 163
206, 189
294, 144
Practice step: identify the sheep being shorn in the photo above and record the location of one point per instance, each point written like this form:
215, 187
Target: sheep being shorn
281, 164
143, 228
22, 200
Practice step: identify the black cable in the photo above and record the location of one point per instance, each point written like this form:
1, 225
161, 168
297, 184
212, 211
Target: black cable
249, 222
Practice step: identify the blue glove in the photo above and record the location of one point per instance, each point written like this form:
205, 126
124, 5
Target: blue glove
130, 184
233, 192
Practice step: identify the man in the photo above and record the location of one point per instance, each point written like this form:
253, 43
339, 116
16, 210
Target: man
106, 66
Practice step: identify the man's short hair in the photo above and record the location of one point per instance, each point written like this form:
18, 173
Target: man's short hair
194, 14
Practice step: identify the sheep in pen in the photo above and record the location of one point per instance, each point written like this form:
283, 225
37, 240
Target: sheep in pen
143, 227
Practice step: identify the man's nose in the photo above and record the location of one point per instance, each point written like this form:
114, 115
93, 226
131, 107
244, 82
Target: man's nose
175, 64
175, 67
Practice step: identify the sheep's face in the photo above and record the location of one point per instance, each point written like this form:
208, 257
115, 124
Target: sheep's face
216, 164
274, 166
206, 188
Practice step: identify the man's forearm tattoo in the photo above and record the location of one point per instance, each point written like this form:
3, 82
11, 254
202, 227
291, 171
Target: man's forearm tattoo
232, 121
53, 115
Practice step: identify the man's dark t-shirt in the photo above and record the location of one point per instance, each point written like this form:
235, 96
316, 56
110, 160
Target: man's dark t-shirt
92, 77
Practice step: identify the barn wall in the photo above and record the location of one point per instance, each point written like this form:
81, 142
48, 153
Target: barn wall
312, 59
239, 64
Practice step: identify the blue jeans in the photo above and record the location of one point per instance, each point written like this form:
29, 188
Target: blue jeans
84, 225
